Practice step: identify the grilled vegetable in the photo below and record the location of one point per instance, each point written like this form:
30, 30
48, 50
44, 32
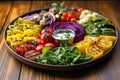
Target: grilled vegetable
95, 50
105, 43
112, 38
82, 45
22, 31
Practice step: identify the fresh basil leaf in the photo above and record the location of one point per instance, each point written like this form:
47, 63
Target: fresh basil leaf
55, 5
63, 9
62, 4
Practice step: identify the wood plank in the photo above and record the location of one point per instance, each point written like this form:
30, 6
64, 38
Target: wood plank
4, 10
9, 64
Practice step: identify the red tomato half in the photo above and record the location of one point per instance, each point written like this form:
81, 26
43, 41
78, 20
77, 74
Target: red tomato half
51, 45
39, 48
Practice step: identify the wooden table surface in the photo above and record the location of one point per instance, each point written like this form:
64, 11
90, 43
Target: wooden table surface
12, 69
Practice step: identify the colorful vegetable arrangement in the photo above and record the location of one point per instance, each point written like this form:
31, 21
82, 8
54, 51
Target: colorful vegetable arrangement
31, 36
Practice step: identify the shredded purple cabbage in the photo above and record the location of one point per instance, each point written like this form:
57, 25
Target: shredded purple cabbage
78, 29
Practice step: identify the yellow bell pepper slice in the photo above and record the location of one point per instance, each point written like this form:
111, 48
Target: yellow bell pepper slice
105, 43
112, 38
95, 50
91, 38
27, 39
82, 45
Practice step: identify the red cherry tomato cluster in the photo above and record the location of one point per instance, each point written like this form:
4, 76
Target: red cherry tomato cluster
71, 15
45, 39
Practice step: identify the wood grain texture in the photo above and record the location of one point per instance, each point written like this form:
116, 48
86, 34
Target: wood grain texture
8, 63
4, 10
12, 69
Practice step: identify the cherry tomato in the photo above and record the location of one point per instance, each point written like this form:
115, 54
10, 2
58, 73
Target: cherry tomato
40, 41
47, 37
63, 18
73, 19
70, 15
74, 9
80, 10
68, 19
77, 15
39, 48
52, 46
64, 14
50, 30
47, 30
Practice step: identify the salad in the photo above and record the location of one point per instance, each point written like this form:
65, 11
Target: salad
61, 35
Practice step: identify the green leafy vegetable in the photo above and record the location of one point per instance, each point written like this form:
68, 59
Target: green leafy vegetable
99, 26
62, 56
55, 5
60, 8
107, 31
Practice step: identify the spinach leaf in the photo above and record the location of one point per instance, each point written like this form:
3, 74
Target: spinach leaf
62, 56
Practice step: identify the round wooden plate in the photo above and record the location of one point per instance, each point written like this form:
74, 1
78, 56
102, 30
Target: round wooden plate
55, 67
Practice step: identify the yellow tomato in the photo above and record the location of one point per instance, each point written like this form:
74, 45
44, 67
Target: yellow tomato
95, 50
